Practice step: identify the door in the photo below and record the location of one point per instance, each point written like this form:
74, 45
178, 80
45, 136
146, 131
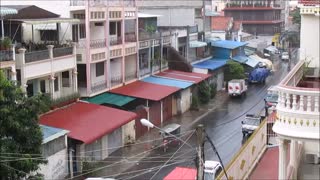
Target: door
142, 114
167, 108
114, 140
155, 112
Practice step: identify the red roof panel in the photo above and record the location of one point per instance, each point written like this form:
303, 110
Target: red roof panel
187, 76
87, 122
144, 90
182, 173
220, 23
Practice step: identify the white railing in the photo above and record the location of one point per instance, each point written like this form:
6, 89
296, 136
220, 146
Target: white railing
248, 156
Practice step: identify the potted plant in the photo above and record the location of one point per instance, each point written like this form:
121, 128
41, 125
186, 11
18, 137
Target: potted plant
5, 44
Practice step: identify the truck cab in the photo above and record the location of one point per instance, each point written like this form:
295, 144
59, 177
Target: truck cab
211, 170
250, 124
237, 87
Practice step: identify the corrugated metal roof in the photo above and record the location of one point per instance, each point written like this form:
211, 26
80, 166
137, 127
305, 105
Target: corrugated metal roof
181, 75
87, 122
167, 82
240, 58
182, 173
144, 90
51, 133
7, 11
252, 62
197, 44
227, 44
211, 64
109, 98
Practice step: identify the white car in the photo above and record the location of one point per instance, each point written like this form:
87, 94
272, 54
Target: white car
211, 170
237, 87
285, 56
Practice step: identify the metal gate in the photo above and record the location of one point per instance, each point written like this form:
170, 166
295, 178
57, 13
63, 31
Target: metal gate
114, 140
167, 108
155, 112
139, 128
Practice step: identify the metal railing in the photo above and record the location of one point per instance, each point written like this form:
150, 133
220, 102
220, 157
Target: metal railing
115, 80
6, 55
36, 56
147, 35
77, 3
98, 86
131, 75
309, 2
130, 37
115, 41
99, 43
64, 51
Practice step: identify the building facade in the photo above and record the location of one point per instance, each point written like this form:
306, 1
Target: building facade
258, 17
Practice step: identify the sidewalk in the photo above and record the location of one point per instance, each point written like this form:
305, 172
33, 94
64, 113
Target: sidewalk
127, 157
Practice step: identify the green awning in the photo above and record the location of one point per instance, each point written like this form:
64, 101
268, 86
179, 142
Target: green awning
109, 98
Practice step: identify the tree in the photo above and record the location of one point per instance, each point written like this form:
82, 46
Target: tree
20, 133
233, 70
296, 16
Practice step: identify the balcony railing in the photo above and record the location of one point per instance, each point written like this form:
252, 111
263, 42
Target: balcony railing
6, 55
99, 43
77, 2
126, 3
130, 37
130, 75
116, 80
65, 51
147, 36
115, 41
36, 56
98, 86
129, 3
309, 2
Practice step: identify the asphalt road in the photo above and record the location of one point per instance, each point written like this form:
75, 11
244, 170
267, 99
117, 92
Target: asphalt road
223, 125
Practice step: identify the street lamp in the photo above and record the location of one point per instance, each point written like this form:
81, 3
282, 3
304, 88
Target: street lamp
149, 124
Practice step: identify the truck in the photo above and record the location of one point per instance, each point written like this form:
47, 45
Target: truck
250, 124
237, 87
259, 75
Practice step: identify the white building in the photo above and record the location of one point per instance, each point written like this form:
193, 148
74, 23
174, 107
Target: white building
298, 122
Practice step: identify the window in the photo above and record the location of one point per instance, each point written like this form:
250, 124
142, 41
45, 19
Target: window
48, 35
82, 31
99, 69
113, 28
42, 86
197, 13
56, 84
75, 32
65, 79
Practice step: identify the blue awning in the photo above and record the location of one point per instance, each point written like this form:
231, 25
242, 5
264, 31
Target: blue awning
227, 44
240, 58
167, 82
252, 62
50, 133
211, 64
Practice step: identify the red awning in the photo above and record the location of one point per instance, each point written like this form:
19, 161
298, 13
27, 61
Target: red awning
182, 173
144, 90
187, 76
87, 122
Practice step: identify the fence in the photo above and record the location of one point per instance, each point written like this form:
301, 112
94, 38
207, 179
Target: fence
99, 43
36, 56
64, 51
245, 160
6, 55
98, 86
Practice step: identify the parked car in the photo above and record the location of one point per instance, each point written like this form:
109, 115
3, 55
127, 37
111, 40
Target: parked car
237, 87
285, 56
272, 96
250, 124
211, 170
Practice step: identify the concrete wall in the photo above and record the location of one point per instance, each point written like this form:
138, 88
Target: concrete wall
128, 130
95, 79
185, 99
130, 64
173, 16
219, 34
97, 32
309, 41
57, 166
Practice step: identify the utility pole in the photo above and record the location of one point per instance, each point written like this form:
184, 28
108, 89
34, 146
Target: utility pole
200, 141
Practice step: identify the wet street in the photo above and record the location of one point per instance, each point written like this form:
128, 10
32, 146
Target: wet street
223, 125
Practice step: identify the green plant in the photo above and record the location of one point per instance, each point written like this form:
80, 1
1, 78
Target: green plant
150, 28
204, 92
6, 43
195, 103
213, 91
234, 70
65, 99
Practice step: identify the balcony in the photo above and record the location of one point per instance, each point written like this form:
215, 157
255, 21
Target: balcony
99, 43
115, 40
98, 86
309, 2
298, 107
42, 62
130, 37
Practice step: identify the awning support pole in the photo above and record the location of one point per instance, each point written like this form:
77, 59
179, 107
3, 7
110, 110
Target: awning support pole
2, 29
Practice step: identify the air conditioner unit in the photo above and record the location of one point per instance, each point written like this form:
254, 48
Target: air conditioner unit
311, 159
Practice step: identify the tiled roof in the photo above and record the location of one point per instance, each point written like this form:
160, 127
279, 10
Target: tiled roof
220, 23
236, 25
